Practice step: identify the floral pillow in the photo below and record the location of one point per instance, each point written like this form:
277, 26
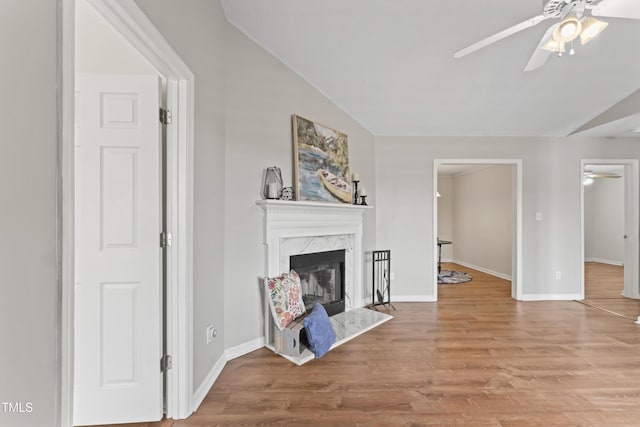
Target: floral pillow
285, 298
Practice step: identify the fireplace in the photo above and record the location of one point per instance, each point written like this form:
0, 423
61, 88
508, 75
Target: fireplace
294, 228
322, 276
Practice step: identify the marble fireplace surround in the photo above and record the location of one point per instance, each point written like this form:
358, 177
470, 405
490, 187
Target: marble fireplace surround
295, 228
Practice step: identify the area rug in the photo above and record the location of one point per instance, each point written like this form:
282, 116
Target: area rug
451, 277
347, 326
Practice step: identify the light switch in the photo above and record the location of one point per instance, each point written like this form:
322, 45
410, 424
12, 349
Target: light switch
538, 216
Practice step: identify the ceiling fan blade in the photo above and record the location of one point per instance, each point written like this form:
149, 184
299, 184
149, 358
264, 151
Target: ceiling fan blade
604, 175
541, 55
499, 36
629, 9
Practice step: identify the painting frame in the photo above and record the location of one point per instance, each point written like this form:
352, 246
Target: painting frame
321, 163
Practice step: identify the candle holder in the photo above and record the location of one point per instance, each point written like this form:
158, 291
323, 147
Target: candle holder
355, 192
364, 201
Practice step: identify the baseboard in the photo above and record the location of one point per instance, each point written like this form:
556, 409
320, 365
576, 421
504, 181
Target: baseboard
229, 354
208, 382
484, 270
242, 349
550, 297
412, 298
604, 261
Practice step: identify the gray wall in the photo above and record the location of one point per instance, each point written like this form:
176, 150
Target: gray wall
604, 221
262, 94
195, 29
244, 102
551, 185
482, 219
30, 301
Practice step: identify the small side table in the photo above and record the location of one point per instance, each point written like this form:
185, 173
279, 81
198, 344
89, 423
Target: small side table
440, 243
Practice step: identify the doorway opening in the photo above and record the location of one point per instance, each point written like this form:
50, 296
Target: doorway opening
473, 197
610, 242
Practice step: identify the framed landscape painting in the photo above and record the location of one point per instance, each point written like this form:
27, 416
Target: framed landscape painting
321, 157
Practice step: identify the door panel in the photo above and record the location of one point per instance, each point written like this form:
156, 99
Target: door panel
118, 324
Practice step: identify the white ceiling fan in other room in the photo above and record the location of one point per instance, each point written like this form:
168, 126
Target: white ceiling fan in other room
590, 175
576, 19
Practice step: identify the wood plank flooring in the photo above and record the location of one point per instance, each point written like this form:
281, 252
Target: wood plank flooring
475, 358
482, 286
603, 289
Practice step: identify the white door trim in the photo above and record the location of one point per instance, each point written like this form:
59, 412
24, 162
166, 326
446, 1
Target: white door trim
516, 246
127, 18
632, 223
66, 116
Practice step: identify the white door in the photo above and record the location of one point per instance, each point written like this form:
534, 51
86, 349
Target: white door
118, 323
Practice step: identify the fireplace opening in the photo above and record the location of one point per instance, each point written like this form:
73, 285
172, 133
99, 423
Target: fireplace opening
322, 279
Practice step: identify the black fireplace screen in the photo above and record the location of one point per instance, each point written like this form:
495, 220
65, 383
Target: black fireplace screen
322, 279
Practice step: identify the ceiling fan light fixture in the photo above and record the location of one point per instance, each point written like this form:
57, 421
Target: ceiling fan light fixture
553, 45
568, 29
591, 27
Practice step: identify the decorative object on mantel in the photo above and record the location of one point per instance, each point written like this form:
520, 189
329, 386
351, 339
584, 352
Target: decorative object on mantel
272, 183
363, 197
287, 193
381, 278
355, 179
321, 157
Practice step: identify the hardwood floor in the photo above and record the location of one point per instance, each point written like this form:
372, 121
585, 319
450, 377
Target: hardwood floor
603, 289
482, 286
603, 280
475, 358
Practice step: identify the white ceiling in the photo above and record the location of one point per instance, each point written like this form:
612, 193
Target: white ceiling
390, 65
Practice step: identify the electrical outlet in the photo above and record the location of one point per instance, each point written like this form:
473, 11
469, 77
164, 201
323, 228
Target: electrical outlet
538, 216
393, 276
558, 275
211, 333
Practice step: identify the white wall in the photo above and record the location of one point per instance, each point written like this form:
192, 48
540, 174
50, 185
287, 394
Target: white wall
604, 226
551, 185
30, 286
262, 94
482, 219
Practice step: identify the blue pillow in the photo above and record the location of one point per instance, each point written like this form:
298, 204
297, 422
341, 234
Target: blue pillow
320, 333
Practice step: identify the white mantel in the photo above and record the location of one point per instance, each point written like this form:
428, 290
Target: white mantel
294, 228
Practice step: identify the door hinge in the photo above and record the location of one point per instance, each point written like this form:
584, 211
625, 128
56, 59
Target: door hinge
165, 239
165, 363
165, 116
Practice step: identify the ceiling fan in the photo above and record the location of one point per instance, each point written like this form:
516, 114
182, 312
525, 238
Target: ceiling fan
576, 19
591, 174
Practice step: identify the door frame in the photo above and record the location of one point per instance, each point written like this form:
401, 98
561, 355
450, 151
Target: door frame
516, 242
631, 219
127, 18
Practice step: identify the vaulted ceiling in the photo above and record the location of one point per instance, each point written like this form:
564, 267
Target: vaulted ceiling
390, 65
